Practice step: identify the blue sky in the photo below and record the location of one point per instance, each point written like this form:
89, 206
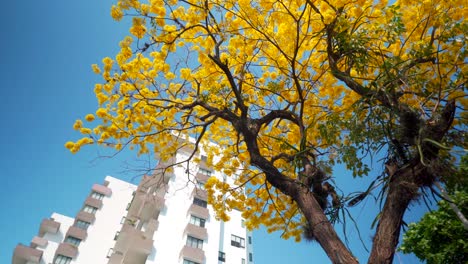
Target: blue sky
47, 48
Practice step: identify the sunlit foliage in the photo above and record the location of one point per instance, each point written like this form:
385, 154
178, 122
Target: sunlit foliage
324, 81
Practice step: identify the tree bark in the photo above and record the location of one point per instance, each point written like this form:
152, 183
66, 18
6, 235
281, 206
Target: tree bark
322, 229
403, 188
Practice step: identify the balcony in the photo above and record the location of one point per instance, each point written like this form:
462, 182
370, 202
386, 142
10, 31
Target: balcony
85, 216
150, 227
196, 231
193, 254
67, 250
93, 202
199, 193
77, 232
146, 206
202, 177
48, 226
39, 242
102, 189
198, 211
150, 184
132, 240
116, 258
24, 254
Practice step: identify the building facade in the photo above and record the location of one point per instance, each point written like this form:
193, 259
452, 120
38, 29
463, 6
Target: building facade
163, 219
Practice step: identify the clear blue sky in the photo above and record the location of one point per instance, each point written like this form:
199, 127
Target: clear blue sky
46, 51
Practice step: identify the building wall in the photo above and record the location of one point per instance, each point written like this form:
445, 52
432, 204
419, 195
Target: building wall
170, 221
102, 232
54, 239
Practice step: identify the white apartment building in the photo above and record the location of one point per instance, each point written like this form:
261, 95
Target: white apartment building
163, 220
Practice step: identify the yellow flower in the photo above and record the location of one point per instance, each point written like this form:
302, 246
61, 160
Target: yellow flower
89, 117
101, 112
78, 124
85, 130
138, 29
69, 145
116, 13
96, 68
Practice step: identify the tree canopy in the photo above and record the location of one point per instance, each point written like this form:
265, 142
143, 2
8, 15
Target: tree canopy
287, 89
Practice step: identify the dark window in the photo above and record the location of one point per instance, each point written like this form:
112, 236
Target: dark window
97, 195
205, 171
60, 259
72, 240
237, 241
250, 257
89, 209
194, 242
200, 185
82, 224
116, 235
200, 202
222, 256
197, 221
250, 240
204, 158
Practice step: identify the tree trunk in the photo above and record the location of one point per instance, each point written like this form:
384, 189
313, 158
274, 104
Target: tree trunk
402, 189
322, 229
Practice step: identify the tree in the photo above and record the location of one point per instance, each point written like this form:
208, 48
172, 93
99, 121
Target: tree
288, 89
439, 237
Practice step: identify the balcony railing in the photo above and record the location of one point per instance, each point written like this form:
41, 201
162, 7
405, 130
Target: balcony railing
102, 189
199, 193
85, 216
67, 250
132, 240
193, 254
196, 231
39, 242
48, 226
77, 232
24, 254
198, 211
93, 202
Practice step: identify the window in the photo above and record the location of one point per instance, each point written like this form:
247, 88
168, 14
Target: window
89, 209
250, 257
122, 221
110, 252
237, 241
82, 224
250, 240
194, 242
200, 202
243, 261
200, 185
72, 240
197, 221
243, 223
221, 256
204, 171
190, 262
60, 259
116, 235
128, 206
97, 195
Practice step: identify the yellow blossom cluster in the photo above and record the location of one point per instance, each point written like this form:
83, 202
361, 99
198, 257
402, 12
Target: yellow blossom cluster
185, 65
